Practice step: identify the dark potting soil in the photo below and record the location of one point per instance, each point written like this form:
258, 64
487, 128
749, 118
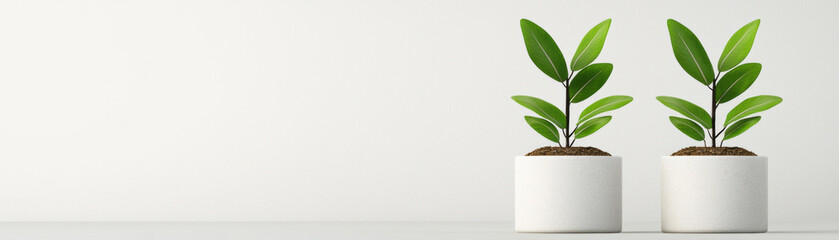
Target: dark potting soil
568, 151
713, 151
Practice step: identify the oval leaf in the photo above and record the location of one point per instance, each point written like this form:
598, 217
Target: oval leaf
736, 81
738, 46
588, 81
689, 52
591, 126
591, 45
604, 105
543, 51
740, 126
688, 127
543, 108
687, 109
543, 127
751, 106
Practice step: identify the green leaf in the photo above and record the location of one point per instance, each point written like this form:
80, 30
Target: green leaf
543, 108
543, 51
588, 81
688, 127
591, 126
740, 126
591, 45
738, 46
751, 106
689, 52
604, 105
736, 81
687, 109
543, 127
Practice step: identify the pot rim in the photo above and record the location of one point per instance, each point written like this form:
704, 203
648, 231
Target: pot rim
714, 156
569, 156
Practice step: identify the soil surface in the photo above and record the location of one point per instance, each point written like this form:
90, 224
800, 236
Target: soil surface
713, 151
568, 151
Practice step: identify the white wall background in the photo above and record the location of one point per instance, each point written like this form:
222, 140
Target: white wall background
369, 110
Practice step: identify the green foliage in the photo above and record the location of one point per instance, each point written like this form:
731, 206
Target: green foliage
738, 46
591, 126
688, 127
603, 105
544, 52
687, 109
751, 106
591, 45
543, 108
737, 79
689, 52
543, 127
740, 126
589, 80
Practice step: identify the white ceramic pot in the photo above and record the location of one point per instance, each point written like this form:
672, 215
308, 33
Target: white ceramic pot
568, 194
714, 194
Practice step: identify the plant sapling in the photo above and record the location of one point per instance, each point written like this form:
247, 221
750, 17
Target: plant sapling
737, 78
553, 123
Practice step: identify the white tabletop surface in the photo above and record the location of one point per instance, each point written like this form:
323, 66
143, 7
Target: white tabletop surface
381, 230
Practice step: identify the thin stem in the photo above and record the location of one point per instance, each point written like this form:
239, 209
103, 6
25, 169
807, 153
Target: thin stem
559, 139
711, 135
568, 142
721, 131
565, 132
713, 118
714, 106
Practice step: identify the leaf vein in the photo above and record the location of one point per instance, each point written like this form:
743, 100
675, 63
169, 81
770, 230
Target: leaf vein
704, 80
691, 113
735, 45
732, 85
586, 48
601, 107
584, 85
747, 110
549, 129
546, 55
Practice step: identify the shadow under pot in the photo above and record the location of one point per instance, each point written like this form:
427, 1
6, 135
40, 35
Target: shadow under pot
568, 194
714, 194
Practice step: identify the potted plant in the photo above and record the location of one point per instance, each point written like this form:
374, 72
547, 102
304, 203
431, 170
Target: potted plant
567, 188
715, 188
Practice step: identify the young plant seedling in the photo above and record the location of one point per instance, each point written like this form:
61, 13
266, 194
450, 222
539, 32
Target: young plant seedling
554, 124
692, 57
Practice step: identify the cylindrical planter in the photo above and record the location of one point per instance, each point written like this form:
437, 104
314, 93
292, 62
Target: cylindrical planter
568, 194
714, 194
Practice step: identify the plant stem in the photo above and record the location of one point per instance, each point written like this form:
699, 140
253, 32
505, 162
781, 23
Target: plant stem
714, 112
720, 133
567, 113
714, 115
567, 84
